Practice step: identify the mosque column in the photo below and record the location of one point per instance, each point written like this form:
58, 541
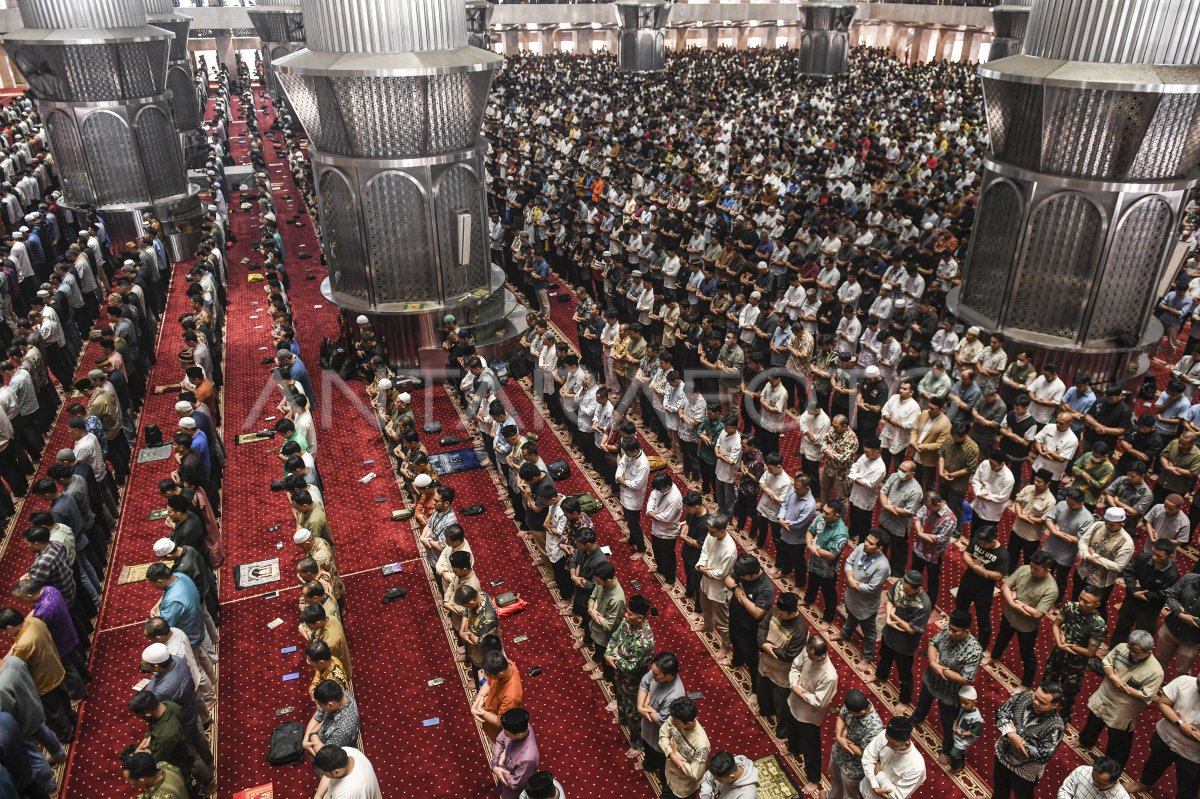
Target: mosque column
98, 73
226, 52
640, 38
393, 111
479, 23
1010, 21
280, 28
1095, 138
714, 38
186, 101
825, 36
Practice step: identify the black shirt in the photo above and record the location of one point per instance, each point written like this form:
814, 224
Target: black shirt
1020, 428
994, 560
1150, 443
1116, 415
761, 592
697, 530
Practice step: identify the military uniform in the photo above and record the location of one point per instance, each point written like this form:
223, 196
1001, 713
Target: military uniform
1067, 669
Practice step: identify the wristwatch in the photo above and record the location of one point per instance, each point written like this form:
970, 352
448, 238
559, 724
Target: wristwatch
1178, 722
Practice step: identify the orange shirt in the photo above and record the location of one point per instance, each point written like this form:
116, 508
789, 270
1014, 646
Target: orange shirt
504, 693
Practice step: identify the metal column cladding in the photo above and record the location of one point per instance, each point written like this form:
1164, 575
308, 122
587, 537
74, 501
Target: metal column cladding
185, 100
825, 36
1009, 21
1095, 137
640, 38
479, 20
99, 74
280, 28
392, 98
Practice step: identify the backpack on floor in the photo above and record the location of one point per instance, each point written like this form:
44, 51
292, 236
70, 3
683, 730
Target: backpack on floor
559, 470
286, 744
154, 436
588, 503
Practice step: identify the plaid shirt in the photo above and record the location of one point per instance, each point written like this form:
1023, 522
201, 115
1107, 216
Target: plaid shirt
52, 566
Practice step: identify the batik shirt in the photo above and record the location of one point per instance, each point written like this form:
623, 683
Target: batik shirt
959, 656
831, 538
860, 731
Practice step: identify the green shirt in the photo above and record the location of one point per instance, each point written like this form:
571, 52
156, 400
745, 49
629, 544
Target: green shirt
1041, 594
711, 428
168, 742
171, 787
610, 604
958, 456
1101, 472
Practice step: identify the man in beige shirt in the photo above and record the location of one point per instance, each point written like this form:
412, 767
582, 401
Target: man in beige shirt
1030, 507
462, 573
1132, 679
685, 746
814, 682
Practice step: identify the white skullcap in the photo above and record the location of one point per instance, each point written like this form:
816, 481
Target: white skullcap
362, 320
128, 262
302, 535
967, 692
1114, 515
156, 654
762, 264
43, 293
164, 547
974, 330
212, 207
187, 423
872, 371
927, 226
184, 407
23, 229
385, 384
756, 295
422, 480
405, 397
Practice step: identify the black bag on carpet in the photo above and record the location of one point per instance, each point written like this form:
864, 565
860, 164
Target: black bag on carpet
286, 744
472, 510
432, 427
154, 436
559, 470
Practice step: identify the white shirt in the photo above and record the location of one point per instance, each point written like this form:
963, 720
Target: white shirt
179, 645
87, 450
717, 555
1051, 440
636, 472
304, 426
903, 772
815, 429
779, 485
903, 414
729, 445
774, 401
1079, 785
667, 504
360, 783
992, 490
1047, 391
866, 476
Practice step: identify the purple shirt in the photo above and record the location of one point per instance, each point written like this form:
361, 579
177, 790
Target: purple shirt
52, 609
521, 759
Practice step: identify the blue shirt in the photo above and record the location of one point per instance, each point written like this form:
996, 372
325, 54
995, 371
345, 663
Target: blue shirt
200, 447
180, 607
1080, 403
798, 511
161, 252
1174, 410
33, 243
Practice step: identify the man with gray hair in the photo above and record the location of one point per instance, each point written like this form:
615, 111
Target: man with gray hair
1132, 679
